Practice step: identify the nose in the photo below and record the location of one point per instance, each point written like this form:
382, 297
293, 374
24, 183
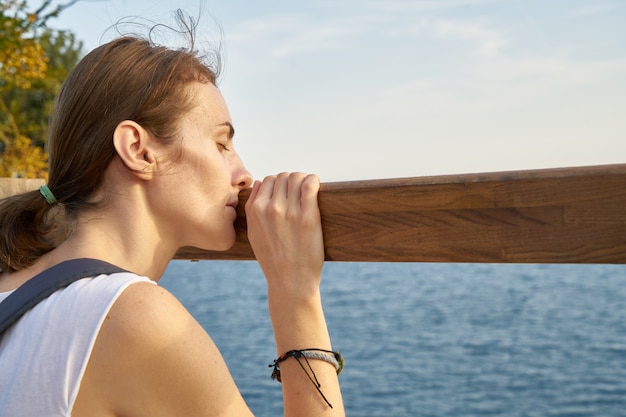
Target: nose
241, 176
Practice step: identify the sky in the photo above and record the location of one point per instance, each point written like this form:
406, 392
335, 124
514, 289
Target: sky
360, 89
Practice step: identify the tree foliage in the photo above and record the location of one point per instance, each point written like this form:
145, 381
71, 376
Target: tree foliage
34, 61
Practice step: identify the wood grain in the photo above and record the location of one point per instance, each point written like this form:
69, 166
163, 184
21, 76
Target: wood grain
566, 215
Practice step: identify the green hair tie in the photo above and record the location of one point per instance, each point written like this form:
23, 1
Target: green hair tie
44, 190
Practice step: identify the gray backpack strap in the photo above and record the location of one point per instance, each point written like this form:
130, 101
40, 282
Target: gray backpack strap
44, 284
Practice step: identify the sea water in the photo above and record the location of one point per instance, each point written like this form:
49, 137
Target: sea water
435, 339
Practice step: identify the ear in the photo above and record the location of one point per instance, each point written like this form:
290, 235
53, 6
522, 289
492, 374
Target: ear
134, 145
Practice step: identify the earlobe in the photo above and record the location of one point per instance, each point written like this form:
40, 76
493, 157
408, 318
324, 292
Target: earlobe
132, 143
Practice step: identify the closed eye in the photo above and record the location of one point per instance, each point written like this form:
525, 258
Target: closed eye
230, 132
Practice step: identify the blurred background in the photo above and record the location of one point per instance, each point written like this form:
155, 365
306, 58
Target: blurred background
376, 89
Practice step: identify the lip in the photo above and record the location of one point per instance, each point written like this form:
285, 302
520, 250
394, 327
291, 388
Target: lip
233, 203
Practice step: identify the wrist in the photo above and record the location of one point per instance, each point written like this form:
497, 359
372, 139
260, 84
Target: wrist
296, 305
294, 292
298, 325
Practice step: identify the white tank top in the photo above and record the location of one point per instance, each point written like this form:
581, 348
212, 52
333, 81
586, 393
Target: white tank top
44, 355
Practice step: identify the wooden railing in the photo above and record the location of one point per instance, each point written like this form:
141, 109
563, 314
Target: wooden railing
564, 215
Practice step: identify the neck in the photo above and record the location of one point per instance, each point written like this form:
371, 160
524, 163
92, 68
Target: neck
128, 240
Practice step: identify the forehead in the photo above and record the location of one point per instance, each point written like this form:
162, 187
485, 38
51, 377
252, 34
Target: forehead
210, 104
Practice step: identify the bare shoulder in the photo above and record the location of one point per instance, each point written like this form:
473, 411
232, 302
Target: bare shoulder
146, 315
152, 358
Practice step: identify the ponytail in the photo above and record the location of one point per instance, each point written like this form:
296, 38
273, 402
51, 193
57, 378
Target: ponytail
26, 230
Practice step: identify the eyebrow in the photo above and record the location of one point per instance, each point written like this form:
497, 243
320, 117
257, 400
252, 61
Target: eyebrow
229, 125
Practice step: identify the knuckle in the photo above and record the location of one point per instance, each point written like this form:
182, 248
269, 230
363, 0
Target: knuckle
269, 178
275, 210
311, 184
283, 176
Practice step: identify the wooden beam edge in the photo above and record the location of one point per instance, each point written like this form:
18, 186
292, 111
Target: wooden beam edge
604, 242
556, 215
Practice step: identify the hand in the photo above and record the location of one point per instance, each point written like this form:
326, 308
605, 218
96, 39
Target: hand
285, 231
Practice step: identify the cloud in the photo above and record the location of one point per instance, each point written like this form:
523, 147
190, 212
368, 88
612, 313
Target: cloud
400, 6
287, 35
488, 41
421, 87
596, 9
284, 36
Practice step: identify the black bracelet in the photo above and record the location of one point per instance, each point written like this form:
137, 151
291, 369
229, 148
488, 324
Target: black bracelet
313, 353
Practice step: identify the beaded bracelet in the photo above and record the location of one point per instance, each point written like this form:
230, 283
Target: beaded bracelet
321, 354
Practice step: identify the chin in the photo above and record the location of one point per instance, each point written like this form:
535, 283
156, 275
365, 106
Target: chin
226, 246
221, 244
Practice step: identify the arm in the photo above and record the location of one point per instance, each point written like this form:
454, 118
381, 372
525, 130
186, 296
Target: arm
285, 232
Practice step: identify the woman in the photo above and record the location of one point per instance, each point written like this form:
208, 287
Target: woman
141, 164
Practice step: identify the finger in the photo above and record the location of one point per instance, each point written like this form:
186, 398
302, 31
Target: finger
280, 186
254, 191
264, 191
311, 184
252, 198
295, 188
310, 189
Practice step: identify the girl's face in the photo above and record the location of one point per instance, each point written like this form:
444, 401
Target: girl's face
199, 189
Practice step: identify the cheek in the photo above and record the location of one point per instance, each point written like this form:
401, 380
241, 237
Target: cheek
203, 163
216, 176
